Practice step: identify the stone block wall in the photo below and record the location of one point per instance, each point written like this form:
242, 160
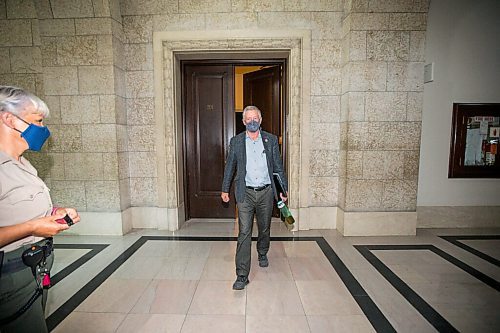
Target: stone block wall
68, 53
382, 94
92, 61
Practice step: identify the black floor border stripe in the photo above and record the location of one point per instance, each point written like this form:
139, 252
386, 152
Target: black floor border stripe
64, 310
379, 322
451, 259
94, 250
369, 308
427, 311
455, 240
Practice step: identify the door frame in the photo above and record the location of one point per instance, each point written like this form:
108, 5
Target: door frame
293, 44
273, 58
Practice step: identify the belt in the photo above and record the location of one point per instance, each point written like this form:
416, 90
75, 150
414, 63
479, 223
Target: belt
12, 261
258, 188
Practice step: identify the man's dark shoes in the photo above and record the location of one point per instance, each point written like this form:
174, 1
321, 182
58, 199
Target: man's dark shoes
240, 283
263, 262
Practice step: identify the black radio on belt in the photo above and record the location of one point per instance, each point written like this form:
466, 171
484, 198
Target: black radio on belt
33, 256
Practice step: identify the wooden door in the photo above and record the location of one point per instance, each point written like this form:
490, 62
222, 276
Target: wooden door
262, 89
209, 125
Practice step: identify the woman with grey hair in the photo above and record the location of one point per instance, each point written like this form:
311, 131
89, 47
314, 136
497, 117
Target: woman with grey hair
28, 220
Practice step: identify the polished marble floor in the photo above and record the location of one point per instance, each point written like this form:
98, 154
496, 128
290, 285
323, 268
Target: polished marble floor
318, 281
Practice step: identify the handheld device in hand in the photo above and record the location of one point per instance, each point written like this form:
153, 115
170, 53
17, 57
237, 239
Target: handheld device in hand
66, 219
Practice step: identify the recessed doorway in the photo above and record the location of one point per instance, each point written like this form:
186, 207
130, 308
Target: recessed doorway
214, 93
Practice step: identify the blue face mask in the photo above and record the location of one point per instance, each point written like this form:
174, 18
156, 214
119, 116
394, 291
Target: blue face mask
35, 135
253, 126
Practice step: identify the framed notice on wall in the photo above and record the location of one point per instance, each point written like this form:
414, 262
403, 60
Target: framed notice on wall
474, 141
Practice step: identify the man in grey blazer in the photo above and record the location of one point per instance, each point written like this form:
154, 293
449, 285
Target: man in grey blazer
255, 156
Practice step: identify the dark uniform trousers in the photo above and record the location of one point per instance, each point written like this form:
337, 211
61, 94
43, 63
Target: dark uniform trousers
259, 203
16, 288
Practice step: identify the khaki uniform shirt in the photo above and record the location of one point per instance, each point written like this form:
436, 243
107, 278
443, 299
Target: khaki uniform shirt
23, 197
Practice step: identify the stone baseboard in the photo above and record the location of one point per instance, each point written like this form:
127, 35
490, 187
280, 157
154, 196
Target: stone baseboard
98, 223
377, 223
458, 217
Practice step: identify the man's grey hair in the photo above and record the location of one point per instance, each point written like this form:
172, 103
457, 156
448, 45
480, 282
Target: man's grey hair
15, 100
252, 108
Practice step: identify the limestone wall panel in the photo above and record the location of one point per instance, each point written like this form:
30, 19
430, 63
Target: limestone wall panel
99, 138
105, 51
141, 138
323, 191
405, 76
139, 57
57, 27
388, 45
393, 135
4, 60
20, 9
385, 106
231, 21
140, 111
408, 21
102, 196
411, 164
15, 33
107, 108
138, 29
256, 6
366, 76
325, 109
326, 81
139, 84
326, 53
77, 50
324, 163
147, 7
142, 164
379, 164
83, 166
369, 21
299, 20
3, 10
61, 80
42, 9
415, 106
364, 195
354, 104
325, 136
54, 105
399, 6
80, 110
207, 6
399, 195
417, 46
66, 193
101, 8
123, 166
354, 167
143, 192
72, 8
312, 5
49, 51
326, 25
65, 138
110, 166
96, 80
93, 26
